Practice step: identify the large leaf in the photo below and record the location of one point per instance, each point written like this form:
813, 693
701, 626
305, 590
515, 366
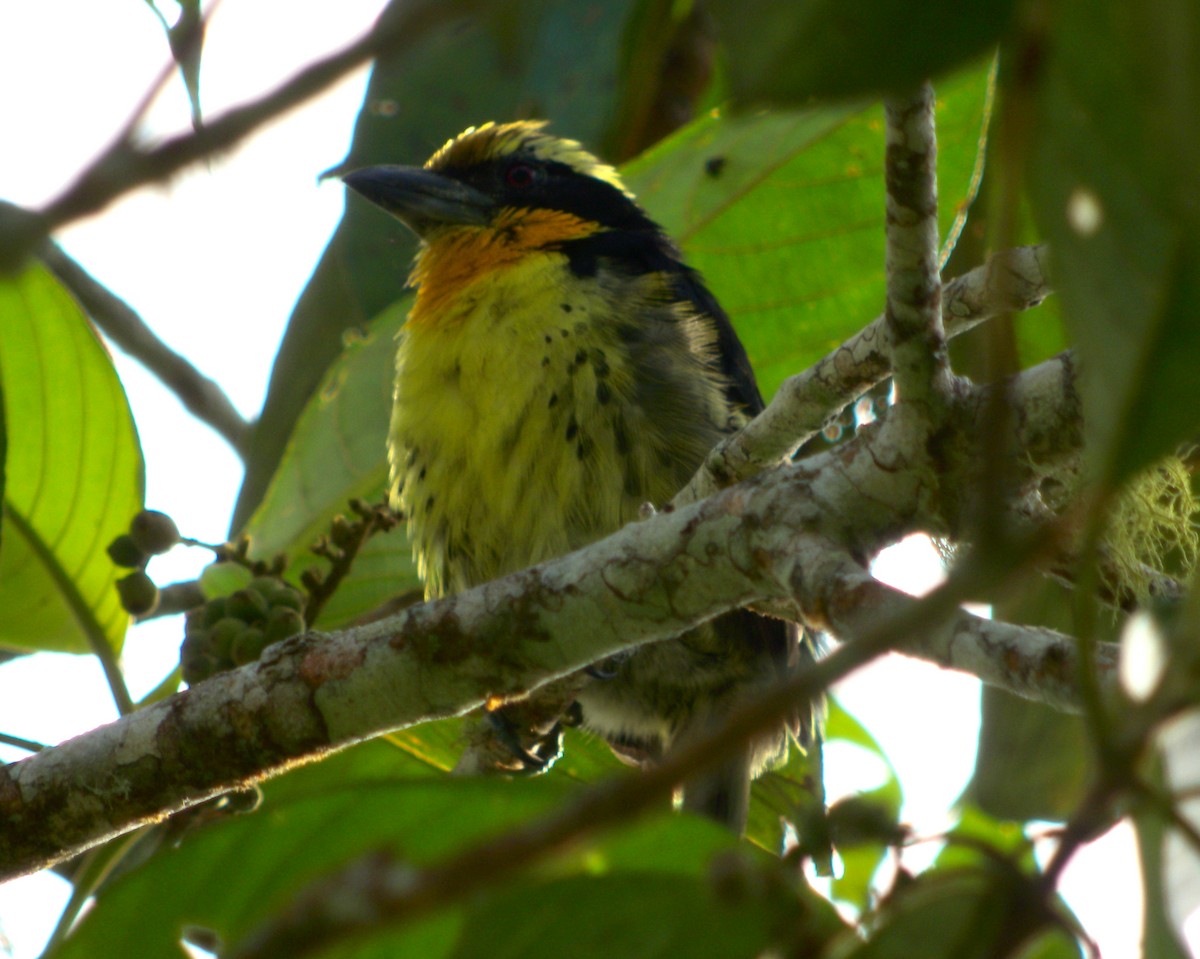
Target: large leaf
230, 875
1056, 761
641, 915
462, 62
339, 451
786, 53
74, 473
1113, 176
783, 213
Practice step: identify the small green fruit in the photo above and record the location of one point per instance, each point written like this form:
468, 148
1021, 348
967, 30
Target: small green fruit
154, 532
247, 605
138, 593
215, 610
282, 623
123, 551
249, 645
223, 634
197, 665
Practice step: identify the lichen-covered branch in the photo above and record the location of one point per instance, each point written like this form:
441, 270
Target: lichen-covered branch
769, 538
318, 692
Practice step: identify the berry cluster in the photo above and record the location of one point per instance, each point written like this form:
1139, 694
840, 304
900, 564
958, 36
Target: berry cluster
228, 631
151, 533
233, 630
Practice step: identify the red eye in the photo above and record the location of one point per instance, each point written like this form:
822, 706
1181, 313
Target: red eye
520, 175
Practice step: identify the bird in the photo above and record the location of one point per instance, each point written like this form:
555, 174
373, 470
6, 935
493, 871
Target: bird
561, 366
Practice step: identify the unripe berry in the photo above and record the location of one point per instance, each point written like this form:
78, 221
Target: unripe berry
248, 646
223, 634
138, 593
248, 605
154, 532
123, 551
282, 623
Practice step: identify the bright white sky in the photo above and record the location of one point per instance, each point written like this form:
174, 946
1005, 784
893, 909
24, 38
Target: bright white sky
214, 262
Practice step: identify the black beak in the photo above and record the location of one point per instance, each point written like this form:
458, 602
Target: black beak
421, 199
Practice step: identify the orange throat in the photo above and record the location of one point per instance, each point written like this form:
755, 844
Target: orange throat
457, 259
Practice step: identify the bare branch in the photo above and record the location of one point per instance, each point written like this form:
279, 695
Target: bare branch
126, 164
175, 598
202, 397
1013, 280
1032, 662
914, 288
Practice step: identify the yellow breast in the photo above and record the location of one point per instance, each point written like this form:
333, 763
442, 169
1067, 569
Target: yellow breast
535, 411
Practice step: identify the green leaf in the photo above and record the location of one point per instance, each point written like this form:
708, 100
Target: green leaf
462, 63
975, 831
841, 725
1056, 760
74, 474
642, 915
1112, 176
1053, 945
229, 875
786, 796
861, 862
339, 451
786, 53
339, 447
957, 914
1159, 937
783, 215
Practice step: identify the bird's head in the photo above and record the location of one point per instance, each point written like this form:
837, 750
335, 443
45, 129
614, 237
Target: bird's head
492, 196
501, 176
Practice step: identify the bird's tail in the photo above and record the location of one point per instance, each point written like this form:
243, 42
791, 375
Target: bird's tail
722, 792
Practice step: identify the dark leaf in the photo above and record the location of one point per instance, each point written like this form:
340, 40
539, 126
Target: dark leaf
1112, 175
786, 53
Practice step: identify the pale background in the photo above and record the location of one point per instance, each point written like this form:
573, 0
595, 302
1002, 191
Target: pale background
214, 262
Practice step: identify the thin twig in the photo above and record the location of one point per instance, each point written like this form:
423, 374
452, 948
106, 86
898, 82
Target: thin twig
20, 742
202, 396
126, 165
175, 598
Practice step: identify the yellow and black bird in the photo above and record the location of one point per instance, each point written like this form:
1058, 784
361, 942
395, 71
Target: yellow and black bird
561, 367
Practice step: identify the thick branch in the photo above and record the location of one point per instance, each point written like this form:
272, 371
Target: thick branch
202, 397
1013, 280
316, 693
